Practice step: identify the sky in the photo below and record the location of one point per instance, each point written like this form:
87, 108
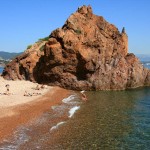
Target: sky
23, 22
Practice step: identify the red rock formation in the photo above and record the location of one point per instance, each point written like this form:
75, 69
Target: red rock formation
22, 66
86, 53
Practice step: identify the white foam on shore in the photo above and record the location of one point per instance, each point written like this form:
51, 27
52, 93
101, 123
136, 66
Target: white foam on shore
20, 137
57, 125
68, 99
53, 107
73, 110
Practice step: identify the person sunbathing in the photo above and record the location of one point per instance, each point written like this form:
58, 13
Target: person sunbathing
7, 93
27, 94
35, 94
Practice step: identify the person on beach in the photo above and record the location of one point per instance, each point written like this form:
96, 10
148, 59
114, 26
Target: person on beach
42, 86
31, 94
7, 89
27, 94
84, 98
37, 87
35, 94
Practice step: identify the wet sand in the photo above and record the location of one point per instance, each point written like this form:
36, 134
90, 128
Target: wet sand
13, 114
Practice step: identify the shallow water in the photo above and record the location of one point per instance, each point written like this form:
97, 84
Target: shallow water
110, 120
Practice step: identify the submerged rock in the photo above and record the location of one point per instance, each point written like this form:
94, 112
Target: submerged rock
86, 53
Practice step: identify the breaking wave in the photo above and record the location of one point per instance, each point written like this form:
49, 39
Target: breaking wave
57, 125
68, 99
73, 110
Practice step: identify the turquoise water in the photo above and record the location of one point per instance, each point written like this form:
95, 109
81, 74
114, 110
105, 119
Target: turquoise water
110, 120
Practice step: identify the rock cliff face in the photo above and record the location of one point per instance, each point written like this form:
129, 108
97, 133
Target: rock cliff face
22, 66
86, 53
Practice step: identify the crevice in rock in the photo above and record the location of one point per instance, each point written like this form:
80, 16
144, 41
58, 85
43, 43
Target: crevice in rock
81, 71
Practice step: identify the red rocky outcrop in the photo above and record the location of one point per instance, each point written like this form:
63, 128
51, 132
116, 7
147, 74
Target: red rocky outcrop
86, 53
22, 67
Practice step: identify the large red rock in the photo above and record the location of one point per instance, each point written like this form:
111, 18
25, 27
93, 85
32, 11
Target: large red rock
22, 67
86, 53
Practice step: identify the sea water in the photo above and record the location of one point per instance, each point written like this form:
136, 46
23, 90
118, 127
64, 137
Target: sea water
146, 64
109, 120
1, 69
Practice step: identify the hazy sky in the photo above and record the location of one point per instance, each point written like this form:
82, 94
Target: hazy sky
23, 22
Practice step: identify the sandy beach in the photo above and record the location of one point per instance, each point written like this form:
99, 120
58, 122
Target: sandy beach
17, 109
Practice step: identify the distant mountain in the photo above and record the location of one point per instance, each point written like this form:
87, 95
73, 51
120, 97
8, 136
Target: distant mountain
7, 55
143, 57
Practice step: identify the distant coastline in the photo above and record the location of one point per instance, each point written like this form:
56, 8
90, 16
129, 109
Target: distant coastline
6, 57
